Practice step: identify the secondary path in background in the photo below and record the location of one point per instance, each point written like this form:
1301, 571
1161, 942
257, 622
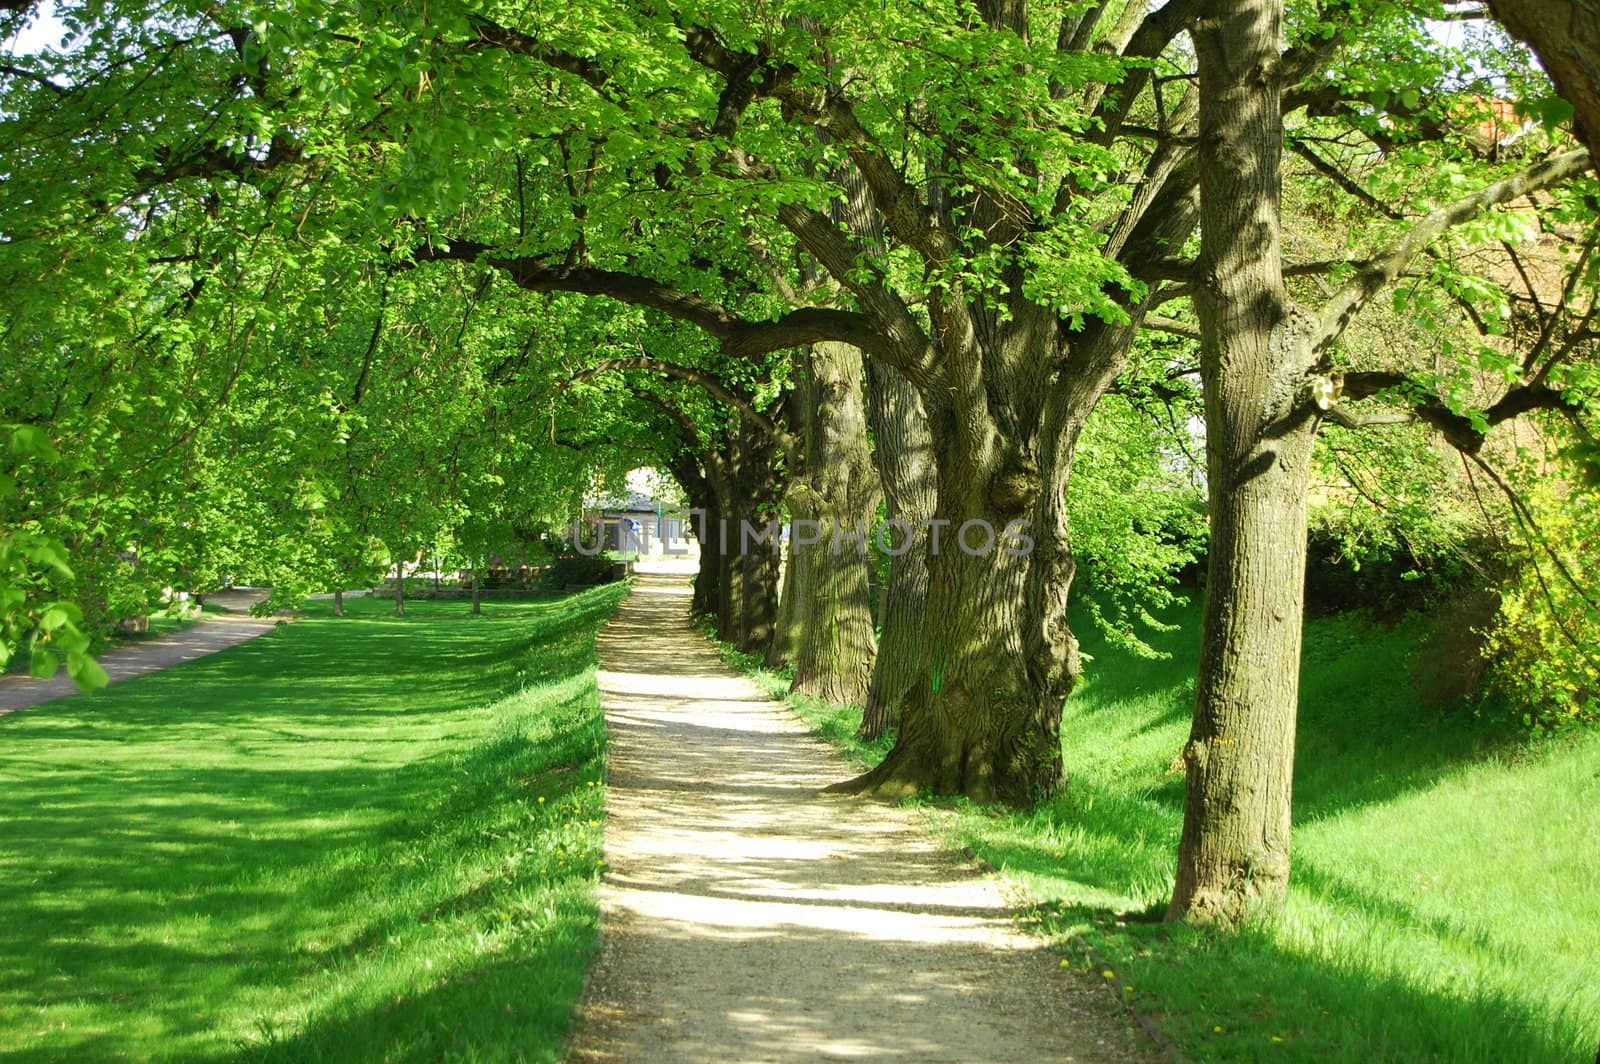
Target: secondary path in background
216, 632
748, 919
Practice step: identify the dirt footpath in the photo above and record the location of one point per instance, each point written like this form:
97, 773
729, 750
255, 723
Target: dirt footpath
216, 632
748, 919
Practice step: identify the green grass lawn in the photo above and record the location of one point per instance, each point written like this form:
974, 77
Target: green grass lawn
1445, 903
360, 839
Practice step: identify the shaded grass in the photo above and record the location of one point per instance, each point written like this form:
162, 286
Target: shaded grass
1443, 902
360, 839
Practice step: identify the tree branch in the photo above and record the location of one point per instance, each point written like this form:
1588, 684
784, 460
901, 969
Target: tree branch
1391, 262
738, 337
1172, 326
846, 260
1462, 432
1159, 29
492, 34
897, 199
36, 78
713, 384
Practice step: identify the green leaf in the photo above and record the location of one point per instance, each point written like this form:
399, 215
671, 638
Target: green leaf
32, 440
86, 672
43, 663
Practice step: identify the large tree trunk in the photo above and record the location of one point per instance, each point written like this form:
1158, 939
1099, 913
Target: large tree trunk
1234, 854
1566, 35
905, 461
972, 722
997, 657
399, 589
477, 592
746, 489
832, 620
837, 499
338, 602
982, 717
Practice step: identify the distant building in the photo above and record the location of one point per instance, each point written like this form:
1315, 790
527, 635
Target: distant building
641, 524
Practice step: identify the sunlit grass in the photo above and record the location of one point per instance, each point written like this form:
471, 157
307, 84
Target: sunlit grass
1443, 905
359, 839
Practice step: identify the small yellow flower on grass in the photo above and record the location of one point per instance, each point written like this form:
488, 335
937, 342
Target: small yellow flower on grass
1066, 964
1275, 1038
1128, 988
541, 799
1109, 974
1216, 1030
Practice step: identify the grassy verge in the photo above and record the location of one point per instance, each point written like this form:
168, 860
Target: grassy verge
1443, 902
360, 839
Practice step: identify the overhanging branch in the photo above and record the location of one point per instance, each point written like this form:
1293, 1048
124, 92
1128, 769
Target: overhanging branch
1463, 432
1391, 262
738, 337
713, 384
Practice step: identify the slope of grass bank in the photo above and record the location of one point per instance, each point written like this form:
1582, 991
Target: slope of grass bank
360, 839
1443, 902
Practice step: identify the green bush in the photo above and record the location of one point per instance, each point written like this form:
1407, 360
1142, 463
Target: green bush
1542, 655
578, 570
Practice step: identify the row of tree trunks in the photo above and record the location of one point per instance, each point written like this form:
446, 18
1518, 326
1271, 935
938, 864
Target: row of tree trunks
736, 589
745, 488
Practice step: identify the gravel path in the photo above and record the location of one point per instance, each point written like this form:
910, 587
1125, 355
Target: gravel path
748, 919
216, 632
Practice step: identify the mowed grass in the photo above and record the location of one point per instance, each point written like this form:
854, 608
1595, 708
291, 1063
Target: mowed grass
1445, 902
360, 839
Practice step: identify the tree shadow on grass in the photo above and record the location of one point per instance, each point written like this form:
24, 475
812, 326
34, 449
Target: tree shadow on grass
1275, 1002
499, 1010
155, 877
1367, 733
1331, 983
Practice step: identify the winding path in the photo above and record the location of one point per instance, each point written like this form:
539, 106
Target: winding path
748, 919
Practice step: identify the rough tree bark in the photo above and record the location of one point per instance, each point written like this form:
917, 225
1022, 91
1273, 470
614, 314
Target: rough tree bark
836, 499
904, 456
1234, 853
1566, 36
